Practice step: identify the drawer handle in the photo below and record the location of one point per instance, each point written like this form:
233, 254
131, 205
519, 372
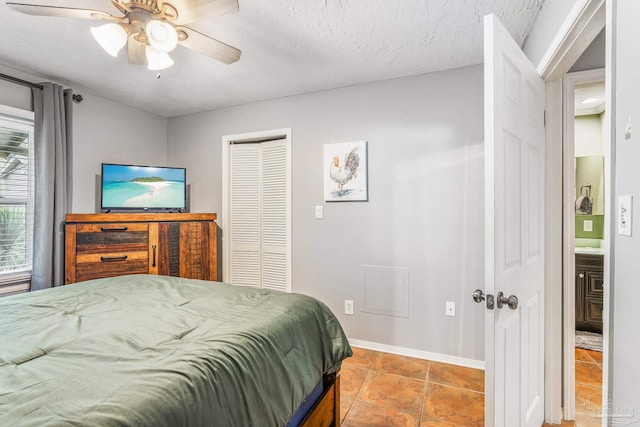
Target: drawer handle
153, 262
114, 228
113, 258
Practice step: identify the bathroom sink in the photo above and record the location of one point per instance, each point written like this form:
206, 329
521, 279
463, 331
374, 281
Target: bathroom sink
589, 246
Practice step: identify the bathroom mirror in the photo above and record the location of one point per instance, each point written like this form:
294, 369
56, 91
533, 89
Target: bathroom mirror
590, 182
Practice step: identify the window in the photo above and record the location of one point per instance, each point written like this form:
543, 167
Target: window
16, 197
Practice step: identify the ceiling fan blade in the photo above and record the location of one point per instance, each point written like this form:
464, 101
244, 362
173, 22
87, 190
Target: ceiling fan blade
211, 47
62, 12
193, 10
136, 51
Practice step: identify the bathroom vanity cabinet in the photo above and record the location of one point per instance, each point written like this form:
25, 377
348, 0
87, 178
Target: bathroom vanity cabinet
589, 292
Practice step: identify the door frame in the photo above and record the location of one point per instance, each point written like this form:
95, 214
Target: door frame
582, 25
259, 136
570, 81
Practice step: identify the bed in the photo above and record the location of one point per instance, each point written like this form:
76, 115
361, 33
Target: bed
146, 350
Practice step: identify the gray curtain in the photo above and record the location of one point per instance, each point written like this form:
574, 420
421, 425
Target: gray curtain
52, 151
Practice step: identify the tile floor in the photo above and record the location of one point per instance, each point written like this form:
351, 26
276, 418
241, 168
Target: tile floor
588, 387
384, 390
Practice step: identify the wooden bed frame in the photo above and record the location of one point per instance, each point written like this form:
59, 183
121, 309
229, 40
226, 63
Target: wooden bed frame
326, 411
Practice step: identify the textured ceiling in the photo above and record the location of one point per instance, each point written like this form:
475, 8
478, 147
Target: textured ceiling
288, 47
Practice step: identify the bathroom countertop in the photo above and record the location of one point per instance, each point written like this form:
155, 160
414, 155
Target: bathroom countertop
590, 251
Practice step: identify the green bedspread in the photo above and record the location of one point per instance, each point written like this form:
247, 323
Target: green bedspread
161, 351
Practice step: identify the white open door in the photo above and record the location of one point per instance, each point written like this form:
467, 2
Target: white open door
514, 233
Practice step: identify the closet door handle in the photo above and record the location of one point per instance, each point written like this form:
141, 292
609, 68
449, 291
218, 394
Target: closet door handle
107, 229
113, 258
153, 261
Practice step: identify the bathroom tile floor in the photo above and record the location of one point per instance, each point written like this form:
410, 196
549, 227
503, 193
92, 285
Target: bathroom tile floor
588, 387
385, 390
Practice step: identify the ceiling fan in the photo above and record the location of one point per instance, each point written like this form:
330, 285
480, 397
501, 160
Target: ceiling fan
150, 28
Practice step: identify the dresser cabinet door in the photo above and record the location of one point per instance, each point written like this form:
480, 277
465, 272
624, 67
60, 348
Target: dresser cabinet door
186, 249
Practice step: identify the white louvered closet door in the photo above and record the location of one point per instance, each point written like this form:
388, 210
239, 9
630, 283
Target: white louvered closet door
259, 220
274, 216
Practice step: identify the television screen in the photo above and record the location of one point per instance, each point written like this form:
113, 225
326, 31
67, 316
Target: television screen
142, 187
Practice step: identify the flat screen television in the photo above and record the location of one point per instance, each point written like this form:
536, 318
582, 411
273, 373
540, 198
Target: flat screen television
134, 187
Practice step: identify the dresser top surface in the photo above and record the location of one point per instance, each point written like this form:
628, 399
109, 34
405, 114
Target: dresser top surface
139, 217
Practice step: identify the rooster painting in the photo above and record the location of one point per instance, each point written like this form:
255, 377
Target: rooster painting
345, 163
343, 174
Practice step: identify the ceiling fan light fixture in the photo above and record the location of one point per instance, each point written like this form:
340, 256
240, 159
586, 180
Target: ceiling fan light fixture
157, 60
161, 35
111, 37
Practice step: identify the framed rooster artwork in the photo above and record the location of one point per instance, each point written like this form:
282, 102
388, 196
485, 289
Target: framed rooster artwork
345, 172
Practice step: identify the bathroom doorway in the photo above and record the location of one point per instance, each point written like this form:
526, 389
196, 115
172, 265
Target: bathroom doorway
589, 151
585, 246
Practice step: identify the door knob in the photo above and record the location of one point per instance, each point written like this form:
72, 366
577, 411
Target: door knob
581, 275
511, 301
478, 296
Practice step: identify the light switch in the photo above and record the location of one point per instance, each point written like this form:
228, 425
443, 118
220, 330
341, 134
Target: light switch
450, 308
587, 225
625, 204
319, 212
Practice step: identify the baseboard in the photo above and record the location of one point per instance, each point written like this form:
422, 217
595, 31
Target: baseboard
418, 354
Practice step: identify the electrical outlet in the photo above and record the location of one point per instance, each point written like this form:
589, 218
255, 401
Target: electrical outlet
450, 308
319, 212
348, 306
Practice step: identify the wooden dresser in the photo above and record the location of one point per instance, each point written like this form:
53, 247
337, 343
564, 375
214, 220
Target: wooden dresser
113, 244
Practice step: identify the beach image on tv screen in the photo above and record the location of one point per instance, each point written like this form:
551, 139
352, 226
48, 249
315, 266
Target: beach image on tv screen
142, 187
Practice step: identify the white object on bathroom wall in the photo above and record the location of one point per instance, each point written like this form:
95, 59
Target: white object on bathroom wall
625, 215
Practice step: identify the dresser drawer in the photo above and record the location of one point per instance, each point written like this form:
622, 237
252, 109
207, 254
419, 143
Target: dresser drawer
110, 238
109, 264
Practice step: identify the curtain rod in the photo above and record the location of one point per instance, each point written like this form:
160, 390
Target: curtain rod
77, 98
20, 81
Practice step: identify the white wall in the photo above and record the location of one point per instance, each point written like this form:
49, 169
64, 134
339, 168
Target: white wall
107, 132
626, 316
425, 212
14, 95
592, 58
548, 22
588, 136
103, 131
